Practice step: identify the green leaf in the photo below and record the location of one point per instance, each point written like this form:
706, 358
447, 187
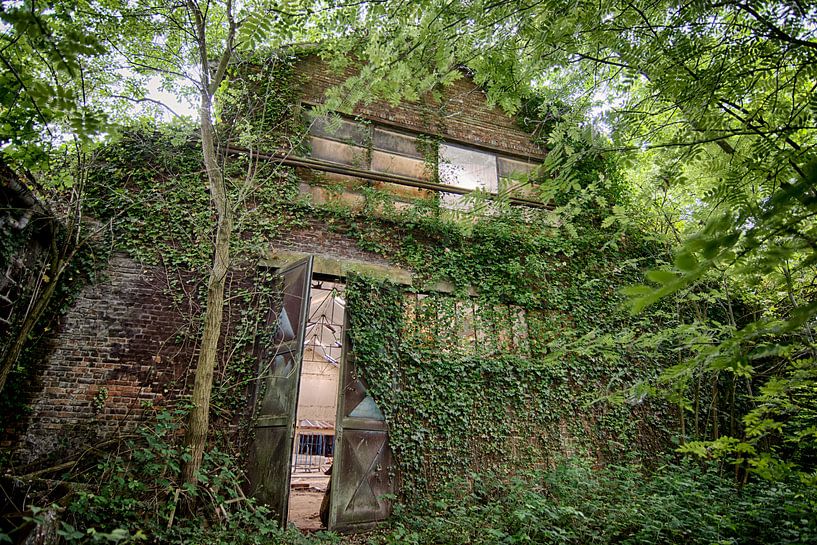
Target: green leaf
637, 290
661, 276
686, 261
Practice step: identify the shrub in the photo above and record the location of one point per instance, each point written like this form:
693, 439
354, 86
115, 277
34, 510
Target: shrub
575, 504
139, 498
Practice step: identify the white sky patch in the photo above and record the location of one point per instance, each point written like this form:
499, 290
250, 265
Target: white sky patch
605, 101
181, 105
159, 100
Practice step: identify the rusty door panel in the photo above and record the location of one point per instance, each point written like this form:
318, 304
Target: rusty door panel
362, 472
279, 387
276, 397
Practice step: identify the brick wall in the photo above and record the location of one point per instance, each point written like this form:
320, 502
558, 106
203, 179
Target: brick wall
118, 347
126, 345
321, 239
462, 113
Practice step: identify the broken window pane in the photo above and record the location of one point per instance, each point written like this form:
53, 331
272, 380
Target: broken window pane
511, 168
467, 168
514, 177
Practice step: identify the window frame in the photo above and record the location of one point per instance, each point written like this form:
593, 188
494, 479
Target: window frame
372, 126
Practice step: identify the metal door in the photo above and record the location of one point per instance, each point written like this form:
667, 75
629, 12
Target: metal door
276, 397
362, 472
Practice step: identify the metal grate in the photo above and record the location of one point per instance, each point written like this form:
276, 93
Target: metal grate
313, 451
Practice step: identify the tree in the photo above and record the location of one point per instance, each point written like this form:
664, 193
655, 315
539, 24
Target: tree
45, 110
44, 83
712, 107
193, 43
189, 45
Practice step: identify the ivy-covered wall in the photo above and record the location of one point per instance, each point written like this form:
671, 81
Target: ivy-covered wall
126, 346
38, 284
518, 375
512, 369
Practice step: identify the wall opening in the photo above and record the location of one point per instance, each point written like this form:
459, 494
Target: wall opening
313, 448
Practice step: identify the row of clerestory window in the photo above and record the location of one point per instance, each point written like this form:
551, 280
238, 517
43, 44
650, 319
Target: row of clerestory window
376, 148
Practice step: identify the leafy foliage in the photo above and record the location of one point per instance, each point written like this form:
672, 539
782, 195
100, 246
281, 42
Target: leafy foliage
43, 54
515, 374
710, 109
156, 179
138, 497
576, 504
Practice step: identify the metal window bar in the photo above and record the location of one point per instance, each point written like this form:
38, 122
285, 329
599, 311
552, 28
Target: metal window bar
312, 451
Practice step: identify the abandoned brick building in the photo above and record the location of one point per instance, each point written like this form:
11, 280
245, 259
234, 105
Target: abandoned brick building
116, 354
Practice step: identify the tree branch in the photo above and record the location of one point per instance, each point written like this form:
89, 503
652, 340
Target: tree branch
228, 51
150, 100
775, 31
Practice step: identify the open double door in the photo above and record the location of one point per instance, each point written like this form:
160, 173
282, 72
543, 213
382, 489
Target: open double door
361, 474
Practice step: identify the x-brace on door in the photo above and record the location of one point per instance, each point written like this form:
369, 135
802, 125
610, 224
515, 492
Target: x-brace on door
276, 397
362, 476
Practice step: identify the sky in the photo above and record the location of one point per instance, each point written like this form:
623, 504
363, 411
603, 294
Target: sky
181, 106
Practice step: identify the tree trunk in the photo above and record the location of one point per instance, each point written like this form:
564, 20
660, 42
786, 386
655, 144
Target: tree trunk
715, 428
198, 422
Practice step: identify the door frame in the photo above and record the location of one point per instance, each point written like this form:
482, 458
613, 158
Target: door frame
353, 424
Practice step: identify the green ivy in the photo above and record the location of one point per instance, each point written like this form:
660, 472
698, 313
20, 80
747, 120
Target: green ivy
151, 186
540, 378
83, 269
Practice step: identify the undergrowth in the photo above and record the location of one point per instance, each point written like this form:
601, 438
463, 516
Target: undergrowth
575, 504
133, 495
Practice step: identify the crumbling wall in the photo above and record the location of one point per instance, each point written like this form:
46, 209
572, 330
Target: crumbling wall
128, 344
126, 347
120, 349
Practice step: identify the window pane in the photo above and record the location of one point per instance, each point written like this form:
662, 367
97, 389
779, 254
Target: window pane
513, 176
336, 152
338, 129
467, 168
510, 168
397, 164
396, 142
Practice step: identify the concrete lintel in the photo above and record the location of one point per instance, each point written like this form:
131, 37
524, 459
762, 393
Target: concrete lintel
340, 267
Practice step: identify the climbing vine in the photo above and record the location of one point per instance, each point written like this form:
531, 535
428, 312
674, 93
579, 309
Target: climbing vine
150, 185
259, 109
515, 375
44, 293
523, 361
518, 374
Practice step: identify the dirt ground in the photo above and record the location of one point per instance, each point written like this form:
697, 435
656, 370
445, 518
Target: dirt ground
305, 498
304, 508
